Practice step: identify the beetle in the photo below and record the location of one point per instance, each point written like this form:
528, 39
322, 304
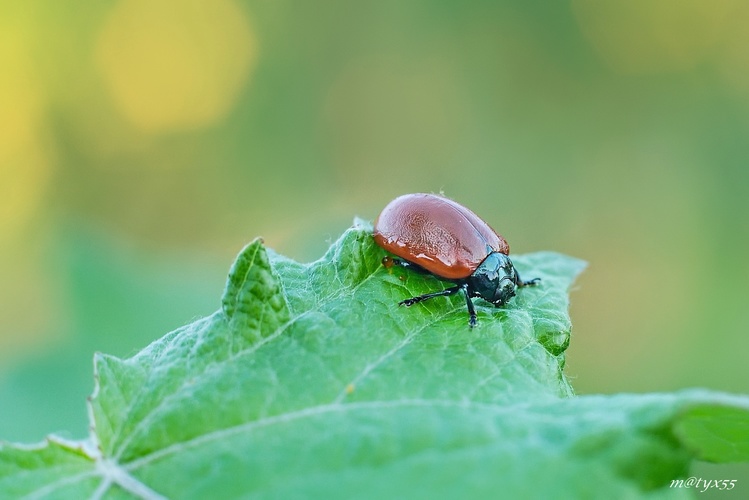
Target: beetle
435, 235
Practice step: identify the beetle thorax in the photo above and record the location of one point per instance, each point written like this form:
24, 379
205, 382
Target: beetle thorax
494, 280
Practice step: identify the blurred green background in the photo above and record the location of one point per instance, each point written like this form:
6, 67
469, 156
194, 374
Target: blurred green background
144, 142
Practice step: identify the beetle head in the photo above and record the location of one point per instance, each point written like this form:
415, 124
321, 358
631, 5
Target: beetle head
495, 279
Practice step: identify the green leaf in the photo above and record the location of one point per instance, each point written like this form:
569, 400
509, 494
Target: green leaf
311, 381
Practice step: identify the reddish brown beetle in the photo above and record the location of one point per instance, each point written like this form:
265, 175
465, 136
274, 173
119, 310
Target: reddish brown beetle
435, 235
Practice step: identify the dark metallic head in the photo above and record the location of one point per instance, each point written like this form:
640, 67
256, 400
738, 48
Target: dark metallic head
494, 280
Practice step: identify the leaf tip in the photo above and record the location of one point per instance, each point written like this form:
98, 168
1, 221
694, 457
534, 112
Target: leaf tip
253, 296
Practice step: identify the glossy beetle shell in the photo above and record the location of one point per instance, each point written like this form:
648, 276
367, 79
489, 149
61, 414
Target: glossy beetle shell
442, 236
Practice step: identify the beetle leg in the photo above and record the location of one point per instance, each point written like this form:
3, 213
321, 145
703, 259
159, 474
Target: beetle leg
532, 282
426, 296
471, 310
442, 293
394, 261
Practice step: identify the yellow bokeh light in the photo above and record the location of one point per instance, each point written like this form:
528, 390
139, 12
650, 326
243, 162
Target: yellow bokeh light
24, 169
175, 65
651, 36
